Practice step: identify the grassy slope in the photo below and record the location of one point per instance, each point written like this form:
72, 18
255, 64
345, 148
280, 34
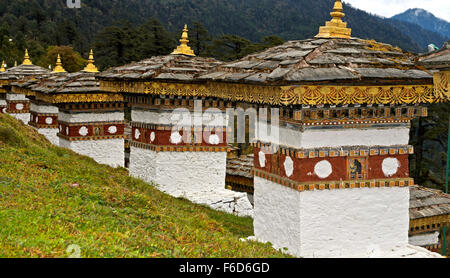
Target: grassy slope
109, 214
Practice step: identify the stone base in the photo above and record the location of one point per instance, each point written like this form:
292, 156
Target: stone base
196, 176
406, 251
24, 117
331, 223
110, 152
50, 134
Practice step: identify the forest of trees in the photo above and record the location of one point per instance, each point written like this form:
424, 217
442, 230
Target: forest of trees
122, 31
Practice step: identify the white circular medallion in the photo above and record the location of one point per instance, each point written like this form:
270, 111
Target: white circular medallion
60, 128
67, 130
49, 120
289, 166
112, 129
214, 139
175, 138
83, 131
37, 119
323, 169
4, 110
152, 136
19, 106
137, 134
262, 159
390, 166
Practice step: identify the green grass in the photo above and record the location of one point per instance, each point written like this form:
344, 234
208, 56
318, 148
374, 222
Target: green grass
109, 214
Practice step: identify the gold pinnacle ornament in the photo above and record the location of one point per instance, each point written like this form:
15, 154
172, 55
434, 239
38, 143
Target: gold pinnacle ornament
183, 48
26, 59
2, 69
335, 28
58, 68
90, 67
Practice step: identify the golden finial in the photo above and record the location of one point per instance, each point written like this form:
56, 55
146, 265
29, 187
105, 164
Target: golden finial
90, 67
26, 59
183, 48
3, 69
335, 28
58, 68
15, 63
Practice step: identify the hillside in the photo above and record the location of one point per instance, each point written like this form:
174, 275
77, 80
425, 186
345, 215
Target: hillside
51, 22
51, 198
426, 20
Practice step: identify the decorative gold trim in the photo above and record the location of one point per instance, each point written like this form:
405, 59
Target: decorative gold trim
442, 84
79, 98
286, 95
22, 91
432, 223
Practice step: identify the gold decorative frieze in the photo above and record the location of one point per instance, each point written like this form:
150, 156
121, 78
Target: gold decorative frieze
79, 98
341, 95
442, 84
23, 91
433, 223
285, 95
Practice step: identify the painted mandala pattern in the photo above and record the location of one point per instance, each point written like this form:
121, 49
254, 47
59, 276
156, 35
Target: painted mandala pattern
214, 139
112, 129
83, 131
289, 166
390, 166
323, 169
175, 138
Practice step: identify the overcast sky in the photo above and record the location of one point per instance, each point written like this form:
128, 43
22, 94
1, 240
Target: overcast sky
388, 8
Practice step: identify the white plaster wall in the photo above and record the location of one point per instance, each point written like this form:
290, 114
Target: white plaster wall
16, 97
50, 134
43, 109
196, 176
91, 117
424, 239
334, 138
350, 222
2, 102
336, 223
277, 215
24, 117
180, 118
110, 152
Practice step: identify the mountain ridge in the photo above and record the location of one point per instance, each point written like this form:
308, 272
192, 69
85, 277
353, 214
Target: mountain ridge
426, 20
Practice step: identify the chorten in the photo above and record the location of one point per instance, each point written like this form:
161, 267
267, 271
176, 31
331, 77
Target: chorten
183, 48
58, 68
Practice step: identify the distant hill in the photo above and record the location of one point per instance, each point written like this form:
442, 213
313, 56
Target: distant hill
52, 22
425, 20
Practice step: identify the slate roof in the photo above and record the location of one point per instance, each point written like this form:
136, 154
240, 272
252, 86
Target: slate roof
163, 68
425, 202
22, 71
322, 60
439, 59
240, 166
66, 83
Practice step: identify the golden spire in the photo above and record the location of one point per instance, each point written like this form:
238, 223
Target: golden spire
26, 59
58, 68
15, 63
90, 67
183, 48
335, 28
2, 69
